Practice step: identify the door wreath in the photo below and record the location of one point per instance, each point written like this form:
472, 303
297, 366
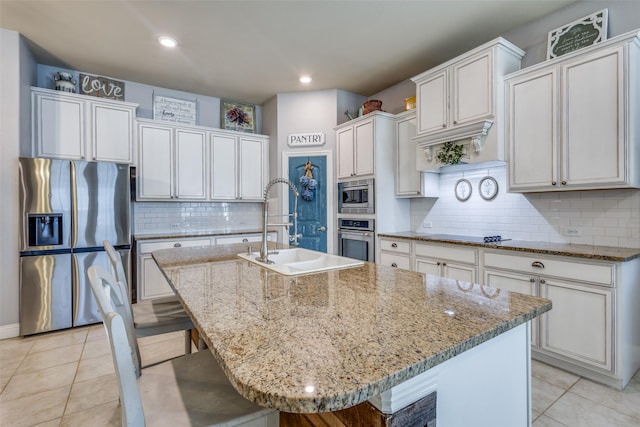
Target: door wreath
308, 182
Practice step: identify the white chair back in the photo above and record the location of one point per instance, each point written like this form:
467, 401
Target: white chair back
112, 296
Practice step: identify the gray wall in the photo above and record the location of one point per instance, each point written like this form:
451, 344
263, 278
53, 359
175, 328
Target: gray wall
17, 68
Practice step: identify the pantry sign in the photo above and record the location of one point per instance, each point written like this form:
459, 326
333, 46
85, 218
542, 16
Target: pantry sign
310, 139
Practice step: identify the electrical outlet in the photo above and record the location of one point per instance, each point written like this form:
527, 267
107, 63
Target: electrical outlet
426, 224
175, 225
572, 231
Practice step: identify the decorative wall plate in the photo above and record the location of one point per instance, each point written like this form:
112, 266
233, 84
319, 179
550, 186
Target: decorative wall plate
488, 188
463, 189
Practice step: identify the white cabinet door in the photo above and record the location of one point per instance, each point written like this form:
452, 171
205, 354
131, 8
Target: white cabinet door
155, 176
432, 95
58, 126
461, 272
428, 266
408, 181
190, 164
345, 151
224, 175
364, 146
533, 130
514, 282
580, 325
593, 150
252, 168
472, 89
153, 283
112, 133
395, 260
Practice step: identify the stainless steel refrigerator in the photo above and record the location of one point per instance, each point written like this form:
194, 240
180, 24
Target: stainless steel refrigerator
68, 208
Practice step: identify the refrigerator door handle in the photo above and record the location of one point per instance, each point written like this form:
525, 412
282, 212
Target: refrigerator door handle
74, 205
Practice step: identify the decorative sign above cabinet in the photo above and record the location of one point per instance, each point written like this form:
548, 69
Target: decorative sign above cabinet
583, 32
176, 110
101, 87
308, 139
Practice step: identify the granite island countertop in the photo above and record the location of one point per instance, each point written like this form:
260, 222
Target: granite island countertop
603, 253
327, 341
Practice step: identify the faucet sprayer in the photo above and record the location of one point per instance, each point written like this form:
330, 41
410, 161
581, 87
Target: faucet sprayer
264, 252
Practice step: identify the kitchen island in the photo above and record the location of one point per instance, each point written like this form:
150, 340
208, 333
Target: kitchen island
371, 335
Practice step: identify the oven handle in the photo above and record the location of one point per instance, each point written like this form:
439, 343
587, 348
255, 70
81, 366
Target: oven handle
355, 233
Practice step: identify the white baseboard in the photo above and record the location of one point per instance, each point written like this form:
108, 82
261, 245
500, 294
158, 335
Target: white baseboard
9, 331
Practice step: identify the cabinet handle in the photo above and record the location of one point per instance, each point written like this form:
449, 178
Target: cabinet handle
438, 263
393, 264
553, 183
564, 183
394, 245
537, 264
455, 122
542, 281
245, 240
532, 280
177, 245
444, 264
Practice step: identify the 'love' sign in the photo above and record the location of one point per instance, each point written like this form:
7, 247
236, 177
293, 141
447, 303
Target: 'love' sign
102, 87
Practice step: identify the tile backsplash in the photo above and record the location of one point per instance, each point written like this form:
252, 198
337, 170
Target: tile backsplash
600, 217
163, 217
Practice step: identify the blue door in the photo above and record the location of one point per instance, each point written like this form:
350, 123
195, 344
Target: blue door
310, 176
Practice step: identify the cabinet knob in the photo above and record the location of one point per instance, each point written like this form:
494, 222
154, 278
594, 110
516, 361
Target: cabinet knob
438, 263
537, 264
553, 183
393, 264
444, 264
564, 183
532, 280
455, 122
542, 281
444, 125
394, 245
177, 245
245, 240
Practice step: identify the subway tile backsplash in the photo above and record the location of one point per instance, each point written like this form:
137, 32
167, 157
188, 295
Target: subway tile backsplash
600, 217
166, 217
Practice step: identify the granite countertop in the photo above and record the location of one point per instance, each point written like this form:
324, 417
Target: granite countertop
182, 234
327, 341
604, 253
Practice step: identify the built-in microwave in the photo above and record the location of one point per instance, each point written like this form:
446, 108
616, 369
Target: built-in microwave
356, 196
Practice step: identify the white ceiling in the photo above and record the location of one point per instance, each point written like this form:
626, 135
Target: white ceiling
251, 50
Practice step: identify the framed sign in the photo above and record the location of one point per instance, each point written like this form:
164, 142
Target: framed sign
575, 35
176, 110
238, 116
101, 87
305, 139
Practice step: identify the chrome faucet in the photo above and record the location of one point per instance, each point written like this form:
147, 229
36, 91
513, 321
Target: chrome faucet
264, 252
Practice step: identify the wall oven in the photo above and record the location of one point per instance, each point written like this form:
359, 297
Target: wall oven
356, 197
356, 238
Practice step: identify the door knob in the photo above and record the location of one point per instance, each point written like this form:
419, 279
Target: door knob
322, 228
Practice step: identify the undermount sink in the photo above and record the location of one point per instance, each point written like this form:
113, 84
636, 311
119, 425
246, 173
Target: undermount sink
302, 261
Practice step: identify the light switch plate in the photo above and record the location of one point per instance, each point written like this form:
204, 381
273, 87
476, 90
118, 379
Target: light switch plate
572, 231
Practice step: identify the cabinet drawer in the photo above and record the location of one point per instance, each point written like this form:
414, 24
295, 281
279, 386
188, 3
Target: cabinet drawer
579, 271
154, 246
243, 239
399, 246
393, 260
447, 252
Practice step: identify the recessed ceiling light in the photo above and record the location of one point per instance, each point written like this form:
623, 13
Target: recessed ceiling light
305, 79
167, 41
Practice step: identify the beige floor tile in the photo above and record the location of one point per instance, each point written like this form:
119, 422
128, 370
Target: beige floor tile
46, 359
22, 385
91, 393
8, 367
161, 351
574, 410
107, 415
14, 347
552, 375
34, 409
65, 338
95, 348
544, 394
544, 421
626, 401
96, 332
95, 367
171, 336
52, 423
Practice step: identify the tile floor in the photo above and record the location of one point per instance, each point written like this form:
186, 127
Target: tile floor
67, 379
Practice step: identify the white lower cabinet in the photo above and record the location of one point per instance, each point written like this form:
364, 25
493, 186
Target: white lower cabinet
395, 253
456, 263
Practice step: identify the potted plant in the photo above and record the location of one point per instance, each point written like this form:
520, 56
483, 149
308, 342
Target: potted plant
450, 154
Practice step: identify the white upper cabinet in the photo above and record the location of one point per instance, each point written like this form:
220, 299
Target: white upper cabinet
80, 127
238, 166
172, 163
461, 101
572, 122
356, 142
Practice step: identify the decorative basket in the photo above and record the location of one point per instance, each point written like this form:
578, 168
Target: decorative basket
371, 105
